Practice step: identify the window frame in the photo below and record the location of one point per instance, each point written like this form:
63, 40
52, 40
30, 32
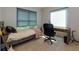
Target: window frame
56, 10
25, 20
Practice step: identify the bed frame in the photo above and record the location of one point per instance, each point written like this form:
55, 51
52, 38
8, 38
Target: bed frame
17, 42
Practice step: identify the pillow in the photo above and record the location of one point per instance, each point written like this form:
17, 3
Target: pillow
10, 29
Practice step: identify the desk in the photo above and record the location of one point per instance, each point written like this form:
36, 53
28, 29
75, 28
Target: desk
66, 30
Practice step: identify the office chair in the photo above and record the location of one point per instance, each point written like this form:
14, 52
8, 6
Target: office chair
49, 31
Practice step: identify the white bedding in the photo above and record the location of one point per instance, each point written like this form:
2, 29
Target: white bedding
20, 35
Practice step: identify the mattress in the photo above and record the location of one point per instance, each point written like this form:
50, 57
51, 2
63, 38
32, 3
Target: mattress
20, 35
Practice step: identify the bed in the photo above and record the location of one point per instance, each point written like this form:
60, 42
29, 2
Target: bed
21, 36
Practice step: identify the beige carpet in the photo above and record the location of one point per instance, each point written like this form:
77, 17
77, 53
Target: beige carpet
40, 45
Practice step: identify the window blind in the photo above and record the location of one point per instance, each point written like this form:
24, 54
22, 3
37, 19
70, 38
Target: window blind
26, 18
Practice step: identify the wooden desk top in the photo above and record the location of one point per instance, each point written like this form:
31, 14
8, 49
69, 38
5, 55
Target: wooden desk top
62, 29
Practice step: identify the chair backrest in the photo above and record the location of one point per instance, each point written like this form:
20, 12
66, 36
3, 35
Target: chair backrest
48, 29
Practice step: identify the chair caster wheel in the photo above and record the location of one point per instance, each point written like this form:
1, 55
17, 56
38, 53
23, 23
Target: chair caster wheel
55, 40
45, 40
51, 42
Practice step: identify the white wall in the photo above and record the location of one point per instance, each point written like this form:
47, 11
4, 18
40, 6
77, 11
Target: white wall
73, 18
9, 15
0, 14
45, 14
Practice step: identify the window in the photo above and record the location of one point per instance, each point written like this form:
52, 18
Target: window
59, 18
26, 18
